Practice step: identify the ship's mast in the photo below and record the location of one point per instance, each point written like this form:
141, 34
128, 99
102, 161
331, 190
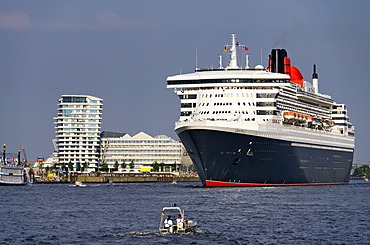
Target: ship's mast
233, 63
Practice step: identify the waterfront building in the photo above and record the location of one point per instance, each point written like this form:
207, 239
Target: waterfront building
142, 150
77, 127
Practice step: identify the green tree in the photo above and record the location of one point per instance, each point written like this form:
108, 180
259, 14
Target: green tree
84, 166
53, 167
115, 166
363, 170
155, 166
132, 165
123, 164
104, 167
47, 169
70, 166
162, 166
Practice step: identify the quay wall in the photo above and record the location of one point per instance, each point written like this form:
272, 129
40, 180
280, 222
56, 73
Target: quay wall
130, 179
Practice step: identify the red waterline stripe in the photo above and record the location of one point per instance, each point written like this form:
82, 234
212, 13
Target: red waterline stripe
212, 183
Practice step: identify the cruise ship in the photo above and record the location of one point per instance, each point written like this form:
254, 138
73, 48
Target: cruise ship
259, 126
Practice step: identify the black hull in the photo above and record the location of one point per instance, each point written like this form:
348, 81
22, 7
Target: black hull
230, 159
12, 184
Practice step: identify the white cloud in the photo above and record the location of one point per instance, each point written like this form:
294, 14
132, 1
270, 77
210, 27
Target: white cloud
14, 19
109, 19
103, 20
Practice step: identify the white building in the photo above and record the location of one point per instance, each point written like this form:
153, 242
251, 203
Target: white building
78, 129
141, 149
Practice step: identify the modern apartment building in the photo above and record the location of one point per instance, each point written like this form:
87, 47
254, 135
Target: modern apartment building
77, 127
141, 149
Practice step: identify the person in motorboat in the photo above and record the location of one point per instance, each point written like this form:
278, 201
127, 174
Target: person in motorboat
180, 222
168, 223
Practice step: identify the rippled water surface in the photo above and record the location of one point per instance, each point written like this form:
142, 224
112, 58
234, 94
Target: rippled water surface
130, 214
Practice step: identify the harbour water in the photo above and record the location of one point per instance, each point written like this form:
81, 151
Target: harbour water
130, 213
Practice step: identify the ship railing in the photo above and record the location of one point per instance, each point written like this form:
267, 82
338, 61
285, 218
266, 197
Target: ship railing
313, 129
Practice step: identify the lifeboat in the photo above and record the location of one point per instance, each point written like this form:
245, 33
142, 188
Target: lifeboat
309, 118
289, 115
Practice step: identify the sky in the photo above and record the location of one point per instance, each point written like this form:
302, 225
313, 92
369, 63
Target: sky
123, 51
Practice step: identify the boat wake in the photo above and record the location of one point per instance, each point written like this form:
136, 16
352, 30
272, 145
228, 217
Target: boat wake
136, 233
144, 234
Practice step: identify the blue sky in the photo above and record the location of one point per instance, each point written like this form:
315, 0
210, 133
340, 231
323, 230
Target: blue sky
123, 51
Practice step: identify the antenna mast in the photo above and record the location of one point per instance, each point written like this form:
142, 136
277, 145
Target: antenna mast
233, 63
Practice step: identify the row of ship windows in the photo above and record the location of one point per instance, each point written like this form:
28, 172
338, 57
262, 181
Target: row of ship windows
227, 81
127, 161
294, 100
262, 104
258, 95
145, 151
302, 106
142, 155
340, 118
75, 155
339, 107
283, 107
259, 112
224, 112
144, 146
156, 141
339, 112
247, 95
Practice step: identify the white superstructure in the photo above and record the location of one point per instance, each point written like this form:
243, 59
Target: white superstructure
262, 102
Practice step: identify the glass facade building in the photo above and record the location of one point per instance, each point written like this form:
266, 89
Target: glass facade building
77, 127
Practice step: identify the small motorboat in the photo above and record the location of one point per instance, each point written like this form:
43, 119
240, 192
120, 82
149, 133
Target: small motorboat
79, 184
173, 220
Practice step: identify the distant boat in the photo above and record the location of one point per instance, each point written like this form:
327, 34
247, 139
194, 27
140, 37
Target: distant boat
168, 226
11, 172
13, 175
80, 184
